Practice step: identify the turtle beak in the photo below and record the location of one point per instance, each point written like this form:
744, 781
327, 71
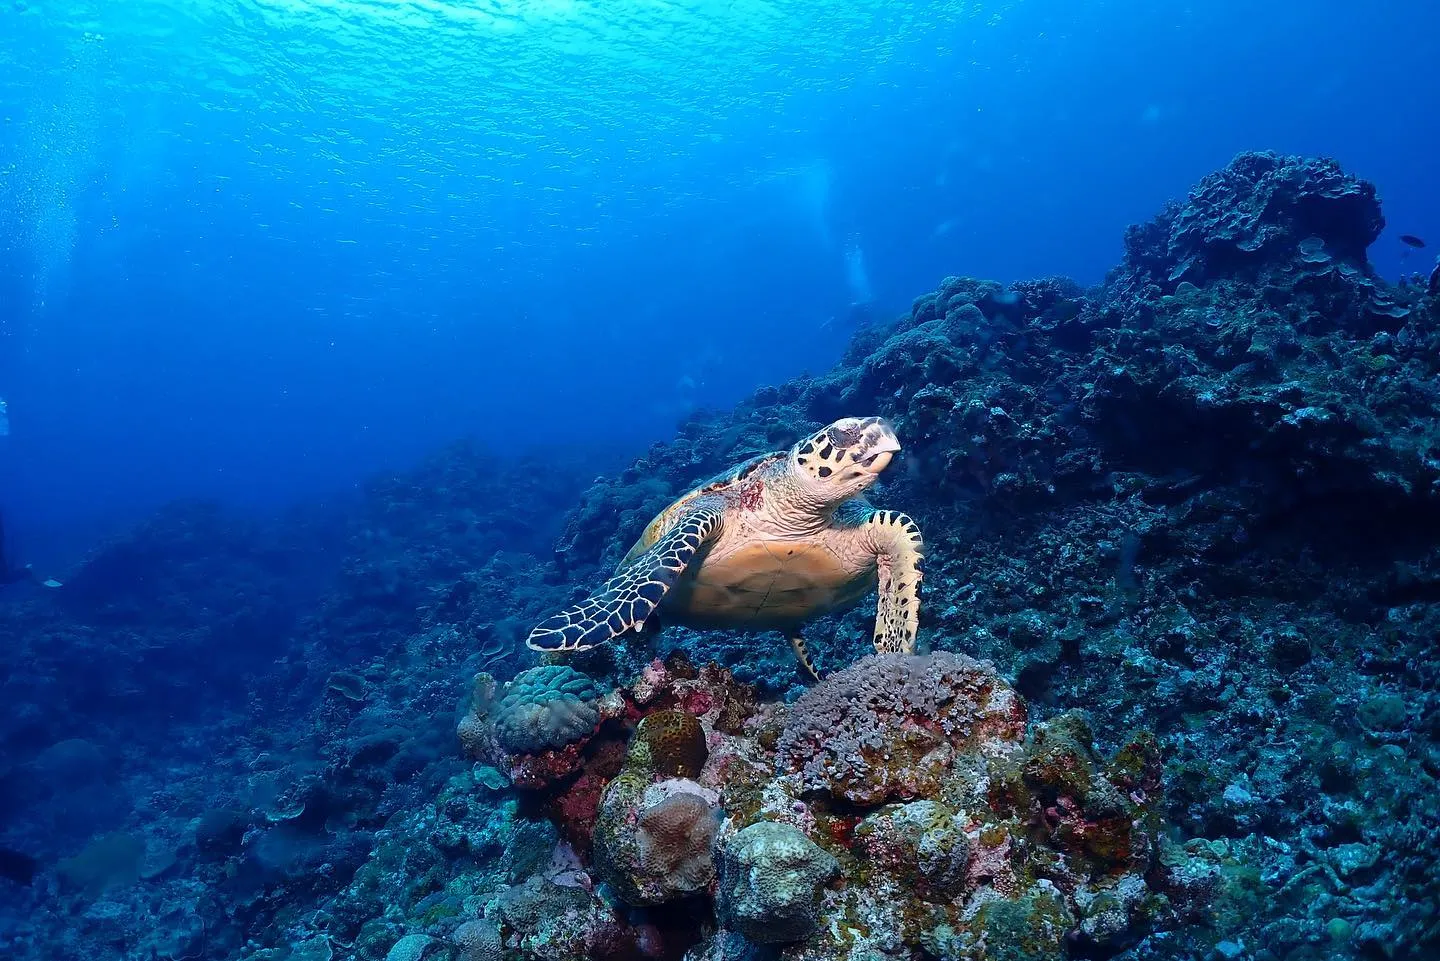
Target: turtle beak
877, 462
881, 453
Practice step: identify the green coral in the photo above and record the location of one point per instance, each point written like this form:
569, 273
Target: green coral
771, 879
1029, 928
924, 843
544, 708
1060, 757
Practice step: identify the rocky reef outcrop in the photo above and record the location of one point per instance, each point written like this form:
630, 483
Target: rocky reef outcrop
904, 806
1202, 498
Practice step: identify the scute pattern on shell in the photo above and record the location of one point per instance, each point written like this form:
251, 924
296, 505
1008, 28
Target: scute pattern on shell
546, 708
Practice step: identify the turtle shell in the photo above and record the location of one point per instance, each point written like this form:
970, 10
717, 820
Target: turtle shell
751, 576
720, 482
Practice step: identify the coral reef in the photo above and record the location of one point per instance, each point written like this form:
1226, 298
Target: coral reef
891, 728
1178, 701
792, 839
536, 730
771, 883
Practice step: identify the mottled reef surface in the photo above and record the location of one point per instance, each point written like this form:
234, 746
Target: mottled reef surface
1176, 697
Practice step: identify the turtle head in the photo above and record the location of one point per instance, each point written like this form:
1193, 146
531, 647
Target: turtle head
840, 461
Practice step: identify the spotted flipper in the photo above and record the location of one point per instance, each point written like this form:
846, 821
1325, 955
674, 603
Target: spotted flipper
802, 654
626, 600
899, 553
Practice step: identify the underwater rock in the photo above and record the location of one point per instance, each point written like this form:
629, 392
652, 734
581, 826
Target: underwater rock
220, 832
1261, 209
545, 921
890, 726
1034, 925
348, 685
923, 843
771, 879
107, 862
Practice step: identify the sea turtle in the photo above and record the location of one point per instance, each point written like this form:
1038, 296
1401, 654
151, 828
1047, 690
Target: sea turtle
770, 544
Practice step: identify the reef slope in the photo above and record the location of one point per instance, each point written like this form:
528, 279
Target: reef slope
1183, 589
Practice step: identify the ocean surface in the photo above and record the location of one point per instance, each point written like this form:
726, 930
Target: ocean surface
342, 342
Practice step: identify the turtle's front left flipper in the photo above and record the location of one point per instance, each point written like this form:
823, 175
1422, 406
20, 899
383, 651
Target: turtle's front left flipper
625, 601
898, 548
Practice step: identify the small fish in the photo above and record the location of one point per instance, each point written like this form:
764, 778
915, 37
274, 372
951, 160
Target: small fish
18, 867
1410, 240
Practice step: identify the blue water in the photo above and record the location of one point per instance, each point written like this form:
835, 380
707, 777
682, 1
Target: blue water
260, 250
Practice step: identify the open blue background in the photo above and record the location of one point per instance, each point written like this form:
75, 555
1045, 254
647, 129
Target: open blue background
259, 249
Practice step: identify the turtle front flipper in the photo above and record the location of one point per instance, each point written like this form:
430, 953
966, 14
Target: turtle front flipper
625, 601
898, 548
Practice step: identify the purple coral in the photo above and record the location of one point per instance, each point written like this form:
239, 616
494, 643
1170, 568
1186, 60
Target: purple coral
889, 726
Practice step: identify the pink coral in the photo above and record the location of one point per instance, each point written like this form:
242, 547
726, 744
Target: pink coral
709, 693
654, 843
674, 839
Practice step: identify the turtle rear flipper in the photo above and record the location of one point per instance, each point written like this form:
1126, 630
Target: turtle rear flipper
802, 654
625, 601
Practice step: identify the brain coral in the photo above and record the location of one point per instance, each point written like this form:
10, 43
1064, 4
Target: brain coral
478, 941
676, 742
674, 841
888, 727
771, 878
546, 708
655, 843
